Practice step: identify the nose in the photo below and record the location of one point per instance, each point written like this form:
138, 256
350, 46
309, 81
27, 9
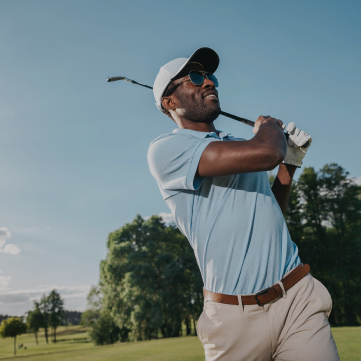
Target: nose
208, 84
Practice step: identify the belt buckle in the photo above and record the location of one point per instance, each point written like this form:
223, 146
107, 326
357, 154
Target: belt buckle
259, 294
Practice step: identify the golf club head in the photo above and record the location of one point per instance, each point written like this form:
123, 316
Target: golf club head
115, 78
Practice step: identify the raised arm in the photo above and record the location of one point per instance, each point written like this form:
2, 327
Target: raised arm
263, 152
282, 185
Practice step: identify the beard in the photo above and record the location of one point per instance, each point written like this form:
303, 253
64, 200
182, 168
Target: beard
198, 111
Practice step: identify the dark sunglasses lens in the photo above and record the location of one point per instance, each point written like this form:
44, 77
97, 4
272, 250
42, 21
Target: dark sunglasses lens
214, 79
196, 78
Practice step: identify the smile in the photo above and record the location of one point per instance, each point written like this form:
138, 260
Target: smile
211, 96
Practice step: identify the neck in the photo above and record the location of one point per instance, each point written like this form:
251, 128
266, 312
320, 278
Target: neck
199, 127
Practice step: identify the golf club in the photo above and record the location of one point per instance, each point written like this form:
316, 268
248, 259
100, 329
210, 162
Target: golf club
239, 119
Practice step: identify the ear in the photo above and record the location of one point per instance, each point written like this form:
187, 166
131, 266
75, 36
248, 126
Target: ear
168, 103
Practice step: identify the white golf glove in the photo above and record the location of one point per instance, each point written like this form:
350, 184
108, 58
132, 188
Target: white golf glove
297, 145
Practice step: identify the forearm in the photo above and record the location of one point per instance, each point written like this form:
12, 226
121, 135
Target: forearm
282, 185
263, 152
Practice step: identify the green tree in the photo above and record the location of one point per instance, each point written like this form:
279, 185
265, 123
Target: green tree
45, 310
35, 320
12, 327
104, 331
150, 280
56, 311
293, 214
324, 219
92, 313
342, 206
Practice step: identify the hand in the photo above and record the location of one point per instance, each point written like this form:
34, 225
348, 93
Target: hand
297, 145
266, 119
297, 136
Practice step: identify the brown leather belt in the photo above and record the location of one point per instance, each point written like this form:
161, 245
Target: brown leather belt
264, 296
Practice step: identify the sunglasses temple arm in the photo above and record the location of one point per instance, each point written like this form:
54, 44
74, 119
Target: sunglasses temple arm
239, 119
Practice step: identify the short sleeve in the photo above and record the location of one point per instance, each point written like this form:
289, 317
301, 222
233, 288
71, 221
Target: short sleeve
173, 161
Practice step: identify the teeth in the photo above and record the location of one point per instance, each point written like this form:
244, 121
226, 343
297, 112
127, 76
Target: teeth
211, 95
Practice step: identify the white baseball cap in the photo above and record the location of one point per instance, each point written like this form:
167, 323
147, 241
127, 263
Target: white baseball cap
207, 57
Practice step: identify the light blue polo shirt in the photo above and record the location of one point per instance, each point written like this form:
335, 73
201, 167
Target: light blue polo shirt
234, 223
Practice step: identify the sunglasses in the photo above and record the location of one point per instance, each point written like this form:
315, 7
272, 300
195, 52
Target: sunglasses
197, 78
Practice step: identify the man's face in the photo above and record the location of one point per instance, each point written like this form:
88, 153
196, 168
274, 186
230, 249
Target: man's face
196, 103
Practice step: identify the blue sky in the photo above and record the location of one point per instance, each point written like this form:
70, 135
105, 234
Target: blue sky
73, 147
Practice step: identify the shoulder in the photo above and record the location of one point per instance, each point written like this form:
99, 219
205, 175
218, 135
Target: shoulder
162, 139
180, 134
179, 139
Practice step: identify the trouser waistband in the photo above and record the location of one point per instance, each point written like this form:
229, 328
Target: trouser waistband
263, 296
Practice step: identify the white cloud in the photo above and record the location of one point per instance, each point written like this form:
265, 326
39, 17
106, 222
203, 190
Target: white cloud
4, 281
9, 248
4, 235
167, 217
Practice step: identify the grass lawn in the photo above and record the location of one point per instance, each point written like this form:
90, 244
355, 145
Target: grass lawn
70, 338
348, 341
73, 345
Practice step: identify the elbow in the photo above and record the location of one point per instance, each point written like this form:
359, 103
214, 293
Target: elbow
275, 157
279, 156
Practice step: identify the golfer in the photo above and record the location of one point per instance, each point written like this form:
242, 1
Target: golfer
260, 301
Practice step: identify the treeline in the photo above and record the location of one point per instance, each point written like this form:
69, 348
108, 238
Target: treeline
5, 317
70, 318
150, 284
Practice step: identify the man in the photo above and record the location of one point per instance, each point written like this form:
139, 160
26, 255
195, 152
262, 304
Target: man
261, 303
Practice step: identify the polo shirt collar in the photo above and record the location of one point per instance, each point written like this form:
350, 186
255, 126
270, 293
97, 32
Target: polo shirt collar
202, 135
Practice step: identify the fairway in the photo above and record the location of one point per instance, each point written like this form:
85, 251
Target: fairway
69, 338
74, 345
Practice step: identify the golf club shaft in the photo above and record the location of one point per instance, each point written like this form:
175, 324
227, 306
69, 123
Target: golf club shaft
115, 78
239, 119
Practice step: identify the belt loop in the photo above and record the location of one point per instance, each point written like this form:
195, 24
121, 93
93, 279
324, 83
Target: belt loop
283, 289
240, 303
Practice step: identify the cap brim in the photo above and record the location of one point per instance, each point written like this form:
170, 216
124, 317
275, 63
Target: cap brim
207, 57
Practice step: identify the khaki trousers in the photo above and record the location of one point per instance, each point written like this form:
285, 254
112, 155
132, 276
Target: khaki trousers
294, 327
